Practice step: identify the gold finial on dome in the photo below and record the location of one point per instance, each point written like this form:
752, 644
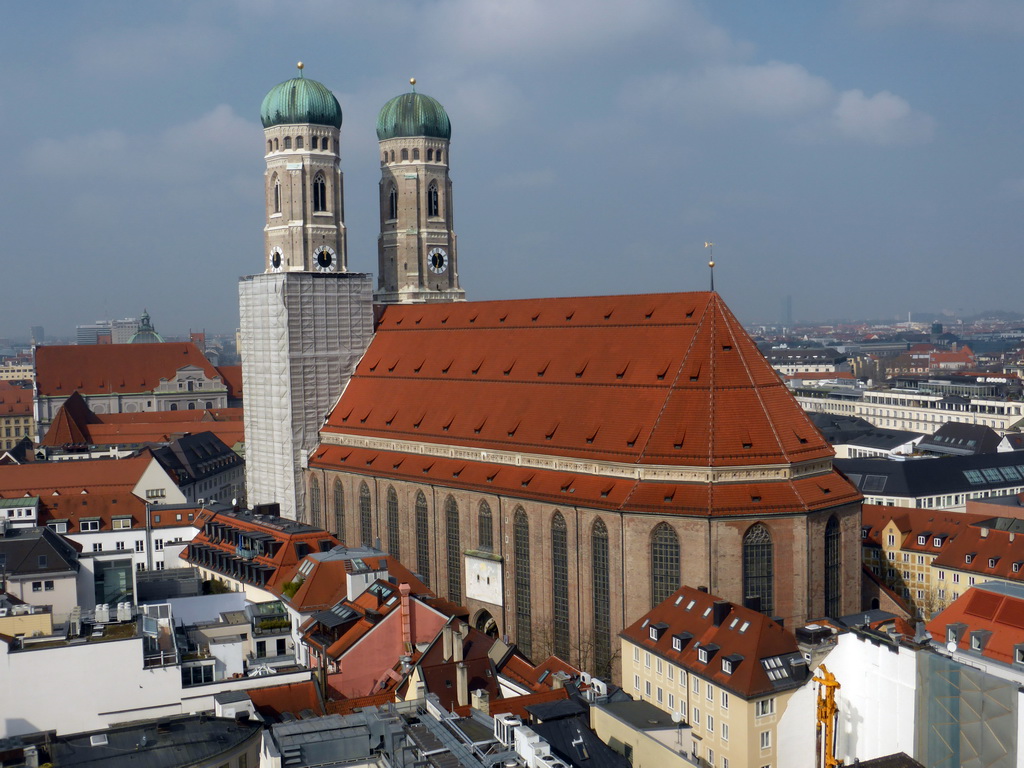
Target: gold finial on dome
711, 263
301, 66
412, 81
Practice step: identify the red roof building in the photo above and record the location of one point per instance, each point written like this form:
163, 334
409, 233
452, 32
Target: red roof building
987, 621
632, 431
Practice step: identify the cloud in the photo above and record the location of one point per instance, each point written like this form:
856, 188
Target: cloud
1001, 17
880, 119
785, 94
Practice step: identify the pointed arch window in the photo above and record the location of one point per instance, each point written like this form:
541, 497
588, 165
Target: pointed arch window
451, 514
365, 516
319, 192
433, 204
339, 510
314, 503
422, 539
393, 202
521, 549
277, 194
393, 528
485, 528
560, 585
664, 563
759, 569
602, 600
833, 570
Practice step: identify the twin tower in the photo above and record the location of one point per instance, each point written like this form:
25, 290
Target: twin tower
305, 229
306, 320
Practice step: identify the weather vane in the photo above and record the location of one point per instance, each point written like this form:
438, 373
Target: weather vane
711, 261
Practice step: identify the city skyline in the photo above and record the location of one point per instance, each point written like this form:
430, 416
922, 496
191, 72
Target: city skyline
860, 157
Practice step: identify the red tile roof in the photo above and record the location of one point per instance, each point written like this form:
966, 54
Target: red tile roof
993, 553
14, 400
913, 523
232, 376
983, 610
274, 701
516, 705
325, 584
745, 633
99, 369
647, 379
44, 479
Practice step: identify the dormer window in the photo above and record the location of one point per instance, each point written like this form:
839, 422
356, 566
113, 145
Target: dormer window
992, 562
937, 542
655, 631
969, 558
1018, 654
922, 540
1016, 567
680, 640
702, 655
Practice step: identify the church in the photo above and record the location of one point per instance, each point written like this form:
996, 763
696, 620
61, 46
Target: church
558, 466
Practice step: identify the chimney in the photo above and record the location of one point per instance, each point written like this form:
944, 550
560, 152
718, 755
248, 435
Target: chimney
459, 641
720, 610
462, 677
446, 638
984, 533
481, 701
405, 589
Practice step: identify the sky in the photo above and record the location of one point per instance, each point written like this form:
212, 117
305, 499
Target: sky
863, 157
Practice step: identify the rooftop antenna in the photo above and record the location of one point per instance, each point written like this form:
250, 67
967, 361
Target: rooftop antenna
711, 261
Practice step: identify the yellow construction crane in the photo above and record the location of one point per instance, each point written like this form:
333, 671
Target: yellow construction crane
827, 715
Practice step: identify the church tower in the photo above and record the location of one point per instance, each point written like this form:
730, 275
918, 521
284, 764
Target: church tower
416, 251
305, 229
305, 320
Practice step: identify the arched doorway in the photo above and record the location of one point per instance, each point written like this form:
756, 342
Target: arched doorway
485, 623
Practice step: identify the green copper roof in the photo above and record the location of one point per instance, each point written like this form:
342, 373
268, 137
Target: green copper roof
300, 100
413, 114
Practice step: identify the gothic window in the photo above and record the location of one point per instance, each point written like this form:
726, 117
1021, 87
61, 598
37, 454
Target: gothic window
314, 502
287, 142
833, 571
276, 144
405, 154
319, 192
602, 600
299, 142
277, 194
439, 155
451, 513
521, 548
758, 569
392, 155
415, 154
433, 209
664, 563
430, 155
560, 585
485, 528
326, 144
312, 142
339, 510
393, 202
365, 516
422, 539
270, 146
393, 523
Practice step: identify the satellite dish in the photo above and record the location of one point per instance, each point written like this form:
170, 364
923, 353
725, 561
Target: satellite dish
951, 646
677, 717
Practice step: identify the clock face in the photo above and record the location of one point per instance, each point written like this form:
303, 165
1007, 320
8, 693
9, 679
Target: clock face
325, 259
276, 260
437, 260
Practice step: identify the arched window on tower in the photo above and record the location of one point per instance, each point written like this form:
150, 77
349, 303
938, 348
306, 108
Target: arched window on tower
451, 514
326, 144
319, 192
287, 142
430, 155
560, 585
485, 528
270, 145
405, 154
365, 516
664, 563
439, 155
299, 142
313, 141
602, 600
433, 203
393, 202
277, 194
339, 510
833, 569
392, 155
276, 144
314, 503
758, 569
521, 549
422, 539
393, 545
416, 154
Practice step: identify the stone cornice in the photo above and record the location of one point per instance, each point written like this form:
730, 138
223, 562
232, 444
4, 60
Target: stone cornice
642, 472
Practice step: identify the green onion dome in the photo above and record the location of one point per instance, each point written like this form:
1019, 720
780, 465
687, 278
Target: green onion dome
413, 114
300, 100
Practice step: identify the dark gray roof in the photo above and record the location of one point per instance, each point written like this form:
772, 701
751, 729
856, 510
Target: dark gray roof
899, 760
642, 715
39, 550
840, 429
884, 439
555, 710
957, 439
173, 742
193, 457
929, 477
572, 740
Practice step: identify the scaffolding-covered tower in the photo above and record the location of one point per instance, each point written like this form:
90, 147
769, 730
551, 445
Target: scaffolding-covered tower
302, 334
